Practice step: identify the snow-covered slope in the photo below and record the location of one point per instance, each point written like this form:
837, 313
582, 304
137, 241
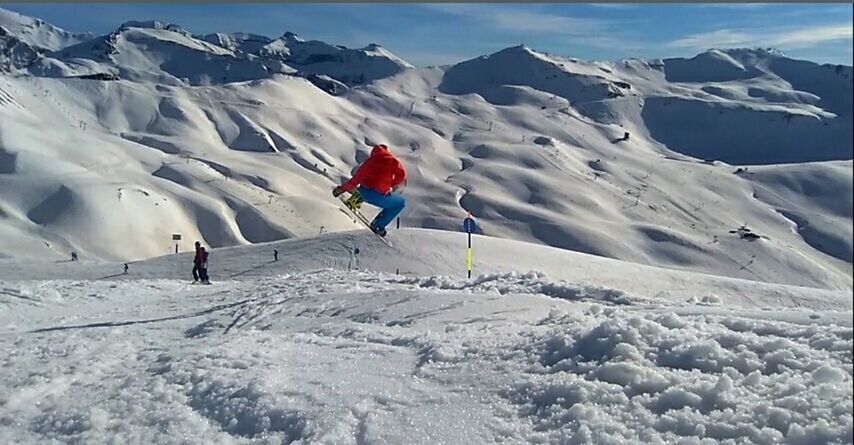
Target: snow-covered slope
164, 53
239, 41
776, 109
572, 80
738, 106
14, 53
350, 66
154, 52
315, 58
421, 253
337, 352
23, 40
37, 33
531, 143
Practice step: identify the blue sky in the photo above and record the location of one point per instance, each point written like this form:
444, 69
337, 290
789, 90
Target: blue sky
429, 34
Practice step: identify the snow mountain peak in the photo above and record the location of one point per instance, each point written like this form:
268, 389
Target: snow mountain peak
291, 37
665, 245
154, 24
37, 33
232, 137
156, 51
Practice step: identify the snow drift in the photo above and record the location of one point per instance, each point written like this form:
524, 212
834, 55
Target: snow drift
346, 354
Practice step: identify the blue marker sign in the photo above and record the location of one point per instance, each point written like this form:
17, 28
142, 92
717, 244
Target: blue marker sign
469, 225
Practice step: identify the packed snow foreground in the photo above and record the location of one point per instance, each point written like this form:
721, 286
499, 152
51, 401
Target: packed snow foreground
328, 346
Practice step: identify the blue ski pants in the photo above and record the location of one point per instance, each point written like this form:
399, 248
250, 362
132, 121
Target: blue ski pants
391, 204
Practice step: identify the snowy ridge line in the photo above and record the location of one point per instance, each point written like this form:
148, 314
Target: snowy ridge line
628, 199
525, 283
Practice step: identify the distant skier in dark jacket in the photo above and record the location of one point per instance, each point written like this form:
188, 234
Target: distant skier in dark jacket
377, 178
197, 261
203, 266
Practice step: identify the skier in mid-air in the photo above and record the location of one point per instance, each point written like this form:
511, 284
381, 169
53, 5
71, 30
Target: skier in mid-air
377, 179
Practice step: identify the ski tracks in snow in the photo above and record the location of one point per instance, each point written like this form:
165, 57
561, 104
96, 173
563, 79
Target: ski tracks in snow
357, 358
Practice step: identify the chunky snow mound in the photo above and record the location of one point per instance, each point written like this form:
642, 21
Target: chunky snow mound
336, 356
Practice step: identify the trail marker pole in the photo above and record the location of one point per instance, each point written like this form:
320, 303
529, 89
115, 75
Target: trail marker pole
469, 225
176, 237
468, 257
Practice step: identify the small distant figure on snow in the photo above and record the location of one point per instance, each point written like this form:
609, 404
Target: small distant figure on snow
626, 136
126, 268
74, 255
197, 262
275, 254
203, 267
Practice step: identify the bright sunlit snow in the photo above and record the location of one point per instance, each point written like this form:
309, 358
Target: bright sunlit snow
664, 251
295, 352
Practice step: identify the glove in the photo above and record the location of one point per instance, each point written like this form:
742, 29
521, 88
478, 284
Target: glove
337, 191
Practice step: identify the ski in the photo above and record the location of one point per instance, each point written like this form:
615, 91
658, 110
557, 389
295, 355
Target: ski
357, 215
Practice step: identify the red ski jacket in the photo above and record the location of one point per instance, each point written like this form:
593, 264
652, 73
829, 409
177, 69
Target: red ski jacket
198, 259
381, 172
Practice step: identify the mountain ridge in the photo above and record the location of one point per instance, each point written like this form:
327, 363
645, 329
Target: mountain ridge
540, 157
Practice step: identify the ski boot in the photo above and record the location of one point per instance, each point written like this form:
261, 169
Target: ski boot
378, 230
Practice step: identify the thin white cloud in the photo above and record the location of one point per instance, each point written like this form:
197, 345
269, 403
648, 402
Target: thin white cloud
522, 20
738, 6
811, 36
783, 38
528, 21
720, 38
594, 32
613, 5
